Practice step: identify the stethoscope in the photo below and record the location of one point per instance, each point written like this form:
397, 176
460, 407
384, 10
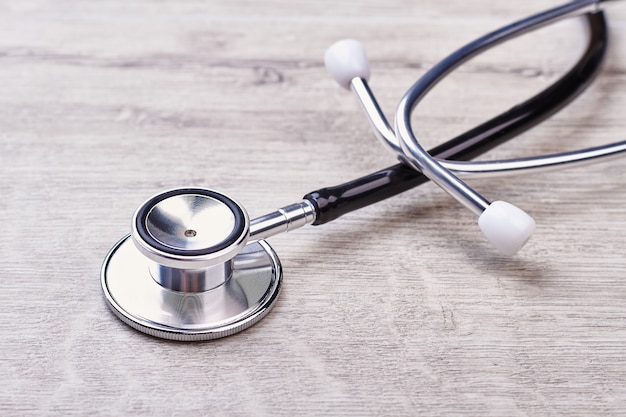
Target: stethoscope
196, 267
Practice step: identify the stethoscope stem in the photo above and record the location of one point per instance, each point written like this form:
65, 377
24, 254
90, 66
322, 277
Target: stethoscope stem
283, 220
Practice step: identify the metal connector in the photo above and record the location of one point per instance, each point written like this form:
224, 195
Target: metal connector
283, 220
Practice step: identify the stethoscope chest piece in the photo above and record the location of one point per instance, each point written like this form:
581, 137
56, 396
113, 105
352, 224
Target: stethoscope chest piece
186, 272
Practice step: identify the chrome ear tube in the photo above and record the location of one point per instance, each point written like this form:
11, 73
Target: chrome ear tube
196, 267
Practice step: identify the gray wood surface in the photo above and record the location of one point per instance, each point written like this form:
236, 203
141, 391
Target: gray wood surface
399, 309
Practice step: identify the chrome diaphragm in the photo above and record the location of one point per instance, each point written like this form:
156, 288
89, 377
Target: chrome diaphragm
186, 272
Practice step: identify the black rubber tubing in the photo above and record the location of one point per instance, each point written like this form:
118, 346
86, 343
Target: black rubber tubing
333, 202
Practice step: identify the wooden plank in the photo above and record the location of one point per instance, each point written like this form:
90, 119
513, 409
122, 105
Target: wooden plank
398, 309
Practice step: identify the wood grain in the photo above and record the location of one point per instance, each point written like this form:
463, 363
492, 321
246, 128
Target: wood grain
398, 309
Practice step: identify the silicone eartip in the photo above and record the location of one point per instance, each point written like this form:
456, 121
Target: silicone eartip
506, 226
346, 60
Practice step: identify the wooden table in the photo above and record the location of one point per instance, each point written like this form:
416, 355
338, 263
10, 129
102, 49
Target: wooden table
401, 308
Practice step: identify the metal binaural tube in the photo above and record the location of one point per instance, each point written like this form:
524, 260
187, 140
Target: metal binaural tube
482, 169
416, 155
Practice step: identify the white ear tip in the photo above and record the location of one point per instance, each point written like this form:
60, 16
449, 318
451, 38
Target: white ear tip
346, 60
506, 226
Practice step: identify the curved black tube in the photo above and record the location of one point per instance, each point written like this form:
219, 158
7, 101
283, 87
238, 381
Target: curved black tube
333, 202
